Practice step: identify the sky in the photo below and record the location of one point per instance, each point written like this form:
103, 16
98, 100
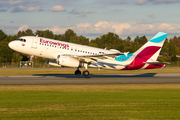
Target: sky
92, 18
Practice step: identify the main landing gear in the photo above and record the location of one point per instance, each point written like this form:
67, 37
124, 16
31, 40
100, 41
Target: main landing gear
85, 72
78, 72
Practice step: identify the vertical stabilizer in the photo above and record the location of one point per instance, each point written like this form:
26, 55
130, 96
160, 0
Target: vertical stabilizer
152, 48
148, 52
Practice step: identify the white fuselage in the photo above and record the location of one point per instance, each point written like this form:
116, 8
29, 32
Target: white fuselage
75, 55
50, 49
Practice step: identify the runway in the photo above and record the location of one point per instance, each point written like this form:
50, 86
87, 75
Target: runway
67, 79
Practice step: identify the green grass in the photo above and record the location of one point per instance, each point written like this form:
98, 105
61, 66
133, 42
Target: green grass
90, 102
92, 71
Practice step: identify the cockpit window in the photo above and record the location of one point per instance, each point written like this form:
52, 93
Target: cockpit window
22, 40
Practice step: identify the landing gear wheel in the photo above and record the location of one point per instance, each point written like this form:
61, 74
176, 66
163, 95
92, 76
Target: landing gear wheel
78, 72
85, 73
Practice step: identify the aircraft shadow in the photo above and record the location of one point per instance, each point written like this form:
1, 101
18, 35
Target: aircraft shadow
96, 76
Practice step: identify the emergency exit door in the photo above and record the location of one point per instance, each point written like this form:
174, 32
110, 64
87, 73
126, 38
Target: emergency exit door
34, 43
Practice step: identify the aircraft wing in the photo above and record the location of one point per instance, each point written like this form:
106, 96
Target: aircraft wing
102, 55
92, 58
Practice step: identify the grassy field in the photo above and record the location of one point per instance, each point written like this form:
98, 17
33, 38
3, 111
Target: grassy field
92, 71
90, 102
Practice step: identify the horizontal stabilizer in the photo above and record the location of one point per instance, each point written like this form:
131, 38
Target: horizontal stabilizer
156, 63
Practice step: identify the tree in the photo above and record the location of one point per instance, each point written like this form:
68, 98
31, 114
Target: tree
59, 37
176, 41
45, 33
5, 52
165, 48
173, 50
19, 34
29, 32
69, 33
17, 57
2, 35
143, 40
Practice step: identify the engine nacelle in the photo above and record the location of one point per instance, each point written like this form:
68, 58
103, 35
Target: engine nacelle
52, 63
67, 61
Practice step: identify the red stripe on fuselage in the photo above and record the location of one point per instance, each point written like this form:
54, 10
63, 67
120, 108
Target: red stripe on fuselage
142, 57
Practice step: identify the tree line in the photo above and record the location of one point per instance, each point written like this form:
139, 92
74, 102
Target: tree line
110, 40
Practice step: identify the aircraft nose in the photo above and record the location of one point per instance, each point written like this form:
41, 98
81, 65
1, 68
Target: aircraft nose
11, 44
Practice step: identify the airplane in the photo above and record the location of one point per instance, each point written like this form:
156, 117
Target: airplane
60, 53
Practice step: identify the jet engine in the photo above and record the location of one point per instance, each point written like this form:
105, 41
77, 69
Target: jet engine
67, 61
52, 63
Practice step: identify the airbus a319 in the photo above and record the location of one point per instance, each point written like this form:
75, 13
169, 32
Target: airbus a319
60, 53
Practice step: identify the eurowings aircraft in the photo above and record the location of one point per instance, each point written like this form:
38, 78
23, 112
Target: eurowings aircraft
60, 53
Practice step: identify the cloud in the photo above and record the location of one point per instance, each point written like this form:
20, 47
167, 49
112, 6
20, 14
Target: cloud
141, 2
165, 1
101, 1
76, 11
3, 10
68, 1
57, 8
103, 27
118, 1
152, 16
11, 2
23, 27
24, 9
8, 3
81, 16
118, 10
11, 21
131, 28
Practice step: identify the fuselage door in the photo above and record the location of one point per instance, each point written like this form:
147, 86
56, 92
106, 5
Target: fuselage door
34, 43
